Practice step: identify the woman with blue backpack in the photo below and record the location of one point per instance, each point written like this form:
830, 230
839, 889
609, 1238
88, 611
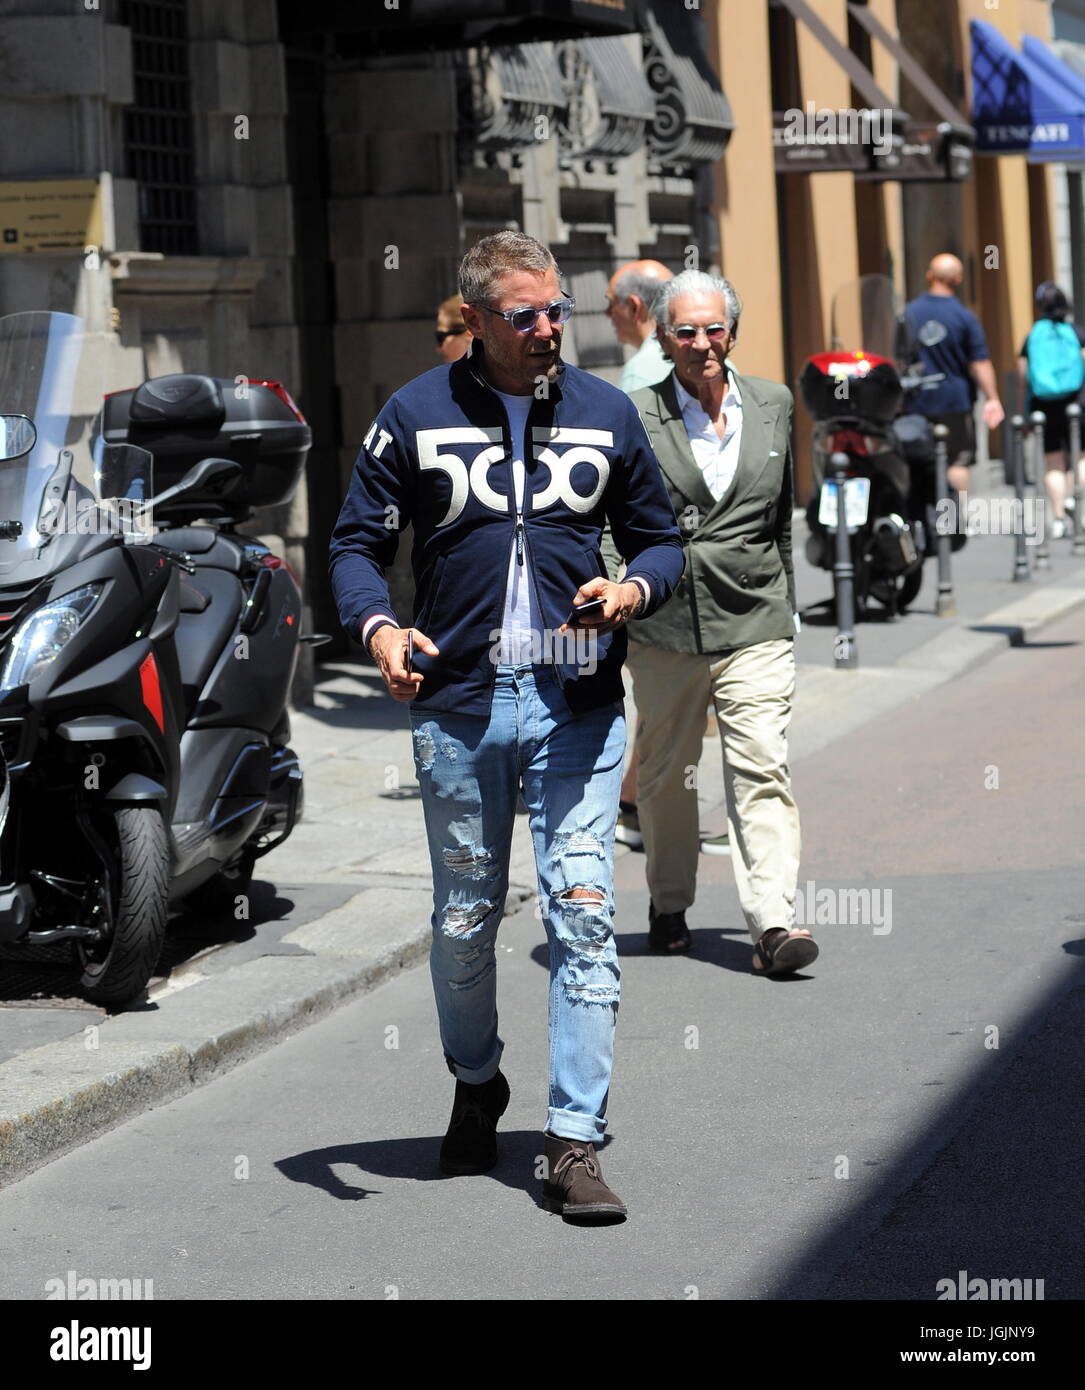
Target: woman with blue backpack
1052, 363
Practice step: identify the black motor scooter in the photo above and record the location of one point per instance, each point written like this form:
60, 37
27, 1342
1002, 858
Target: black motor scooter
862, 401
145, 662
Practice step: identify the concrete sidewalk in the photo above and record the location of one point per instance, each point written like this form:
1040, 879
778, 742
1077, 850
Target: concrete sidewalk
350, 904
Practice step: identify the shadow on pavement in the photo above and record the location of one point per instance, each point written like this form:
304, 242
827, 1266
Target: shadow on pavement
1001, 1196
409, 1158
344, 709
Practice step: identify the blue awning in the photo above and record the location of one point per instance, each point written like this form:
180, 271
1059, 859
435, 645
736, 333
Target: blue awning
1060, 70
1024, 103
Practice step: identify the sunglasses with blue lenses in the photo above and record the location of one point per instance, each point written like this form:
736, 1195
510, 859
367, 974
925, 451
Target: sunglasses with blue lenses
524, 320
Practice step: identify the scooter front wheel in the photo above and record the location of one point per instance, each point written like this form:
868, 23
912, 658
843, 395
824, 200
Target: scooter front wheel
119, 969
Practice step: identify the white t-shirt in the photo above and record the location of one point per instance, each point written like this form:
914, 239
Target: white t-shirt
521, 615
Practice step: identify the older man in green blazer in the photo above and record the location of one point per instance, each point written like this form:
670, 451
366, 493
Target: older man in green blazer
726, 637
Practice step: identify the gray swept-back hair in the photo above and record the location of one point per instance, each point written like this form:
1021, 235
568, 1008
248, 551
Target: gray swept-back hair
645, 287
697, 282
497, 255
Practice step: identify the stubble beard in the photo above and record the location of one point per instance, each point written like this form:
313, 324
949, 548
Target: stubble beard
551, 372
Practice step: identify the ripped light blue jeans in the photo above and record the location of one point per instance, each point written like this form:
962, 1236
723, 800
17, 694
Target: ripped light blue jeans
569, 766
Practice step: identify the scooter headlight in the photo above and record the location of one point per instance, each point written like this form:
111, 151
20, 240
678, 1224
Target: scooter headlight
43, 636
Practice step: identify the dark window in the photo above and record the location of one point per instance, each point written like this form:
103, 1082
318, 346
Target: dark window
158, 126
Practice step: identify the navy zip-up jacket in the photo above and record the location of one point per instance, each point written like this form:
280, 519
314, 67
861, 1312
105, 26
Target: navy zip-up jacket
439, 456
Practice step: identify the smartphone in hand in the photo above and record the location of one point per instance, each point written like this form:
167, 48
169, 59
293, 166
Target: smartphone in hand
593, 609
410, 651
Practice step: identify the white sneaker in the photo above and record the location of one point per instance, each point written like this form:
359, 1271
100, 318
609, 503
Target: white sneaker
1058, 528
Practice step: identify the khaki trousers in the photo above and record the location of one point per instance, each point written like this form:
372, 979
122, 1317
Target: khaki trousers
751, 689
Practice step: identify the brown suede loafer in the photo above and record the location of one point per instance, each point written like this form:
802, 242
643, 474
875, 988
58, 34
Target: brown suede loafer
575, 1185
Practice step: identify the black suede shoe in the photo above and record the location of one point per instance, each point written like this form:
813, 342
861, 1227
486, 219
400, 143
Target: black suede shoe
667, 931
470, 1145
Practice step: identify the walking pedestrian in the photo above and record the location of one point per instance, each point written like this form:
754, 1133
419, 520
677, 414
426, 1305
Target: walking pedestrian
1052, 366
508, 463
630, 293
727, 637
950, 340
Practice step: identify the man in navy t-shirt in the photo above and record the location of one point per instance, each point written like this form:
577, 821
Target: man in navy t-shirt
950, 341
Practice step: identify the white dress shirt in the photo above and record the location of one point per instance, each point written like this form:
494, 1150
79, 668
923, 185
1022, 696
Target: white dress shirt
717, 459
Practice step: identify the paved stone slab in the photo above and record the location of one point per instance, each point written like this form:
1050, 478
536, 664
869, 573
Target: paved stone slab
371, 923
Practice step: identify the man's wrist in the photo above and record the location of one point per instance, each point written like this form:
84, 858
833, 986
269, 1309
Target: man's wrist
373, 626
642, 591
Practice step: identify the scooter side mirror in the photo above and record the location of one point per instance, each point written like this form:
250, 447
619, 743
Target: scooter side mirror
214, 475
17, 436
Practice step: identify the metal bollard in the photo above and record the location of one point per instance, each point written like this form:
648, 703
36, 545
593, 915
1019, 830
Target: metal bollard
845, 648
946, 606
1037, 420
1073, 416
1021, 568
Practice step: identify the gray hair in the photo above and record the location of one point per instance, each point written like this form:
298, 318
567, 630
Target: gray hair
643, 286
498, 255
697, 282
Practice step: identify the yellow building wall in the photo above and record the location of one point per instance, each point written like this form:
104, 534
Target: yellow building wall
745, 181
885, 74
832, 258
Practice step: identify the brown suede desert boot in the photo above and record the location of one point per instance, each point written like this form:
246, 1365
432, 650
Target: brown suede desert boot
575, 1185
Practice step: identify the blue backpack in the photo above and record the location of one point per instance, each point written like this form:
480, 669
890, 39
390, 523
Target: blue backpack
1055, 365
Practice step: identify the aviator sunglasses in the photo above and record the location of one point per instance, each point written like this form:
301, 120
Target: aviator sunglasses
442, 333
523, 320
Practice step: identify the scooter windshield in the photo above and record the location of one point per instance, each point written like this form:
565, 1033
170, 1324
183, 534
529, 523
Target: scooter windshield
866, 317
51, 376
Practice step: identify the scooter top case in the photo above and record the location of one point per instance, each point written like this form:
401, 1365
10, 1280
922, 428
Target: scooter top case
187, 417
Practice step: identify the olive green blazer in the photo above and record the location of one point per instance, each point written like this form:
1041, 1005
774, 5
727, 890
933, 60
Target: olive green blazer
738, 586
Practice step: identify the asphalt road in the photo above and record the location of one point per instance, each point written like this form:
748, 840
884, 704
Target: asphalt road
908, 1109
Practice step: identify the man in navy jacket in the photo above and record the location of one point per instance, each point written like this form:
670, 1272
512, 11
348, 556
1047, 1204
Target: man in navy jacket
509, 463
